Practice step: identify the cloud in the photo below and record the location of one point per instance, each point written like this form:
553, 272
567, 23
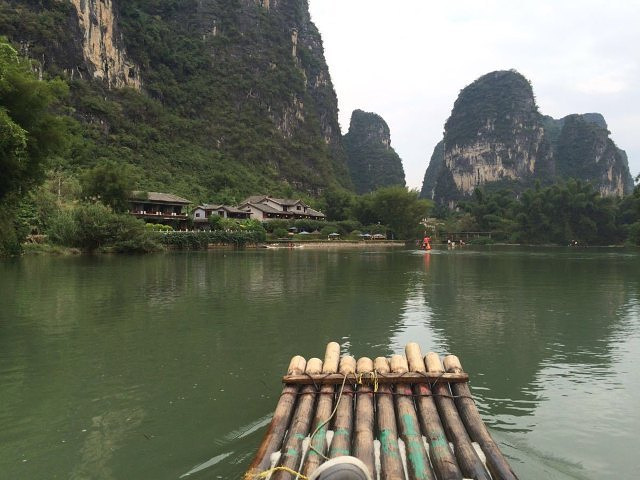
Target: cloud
604, 84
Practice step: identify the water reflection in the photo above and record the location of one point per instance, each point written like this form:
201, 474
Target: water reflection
166, 365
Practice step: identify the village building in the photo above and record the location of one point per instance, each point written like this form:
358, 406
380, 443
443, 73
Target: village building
202, 213
265, 208
162, 208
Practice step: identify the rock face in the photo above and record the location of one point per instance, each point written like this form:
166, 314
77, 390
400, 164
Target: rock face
232, 95
371, 160
102, 45
496, 137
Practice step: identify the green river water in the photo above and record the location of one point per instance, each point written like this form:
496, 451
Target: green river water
168, 366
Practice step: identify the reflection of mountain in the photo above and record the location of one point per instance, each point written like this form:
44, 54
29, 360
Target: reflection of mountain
509, 314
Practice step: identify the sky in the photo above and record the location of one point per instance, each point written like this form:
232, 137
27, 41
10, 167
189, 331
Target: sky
407, 61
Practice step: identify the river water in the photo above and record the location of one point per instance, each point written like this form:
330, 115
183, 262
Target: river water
167, 366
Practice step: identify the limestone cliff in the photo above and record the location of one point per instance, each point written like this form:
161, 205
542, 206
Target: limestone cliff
234, 97
371, 160
102, 45
433, 170
496, 137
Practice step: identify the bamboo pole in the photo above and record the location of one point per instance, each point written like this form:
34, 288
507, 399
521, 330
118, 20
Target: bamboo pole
343, 423
470, 463
418, 465
442, 458
498, 465
318, 446
390, 461
390, 378
299, 429
279, 423
364, 421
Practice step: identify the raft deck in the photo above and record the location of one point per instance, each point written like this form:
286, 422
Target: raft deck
405, 417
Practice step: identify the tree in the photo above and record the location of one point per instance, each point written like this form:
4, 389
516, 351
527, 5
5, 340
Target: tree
30, 132
397, 207
338, 204
111, 183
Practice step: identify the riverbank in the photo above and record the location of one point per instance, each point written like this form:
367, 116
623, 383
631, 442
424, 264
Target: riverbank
334, 244
33, 249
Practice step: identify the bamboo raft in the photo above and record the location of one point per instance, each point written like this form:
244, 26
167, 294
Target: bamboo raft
405, 417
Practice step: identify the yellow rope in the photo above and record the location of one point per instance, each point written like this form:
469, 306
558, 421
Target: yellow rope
311, 447
373, 375
266, 473
273, 470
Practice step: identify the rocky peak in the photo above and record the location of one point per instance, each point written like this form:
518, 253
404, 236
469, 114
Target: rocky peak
371, 160
496, 137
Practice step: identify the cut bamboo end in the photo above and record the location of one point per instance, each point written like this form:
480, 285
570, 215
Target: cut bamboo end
433, 363
331, 358
314, 366
414, 357
297, 365
382, 365
364, 365
452, 364
347, 365
399, 364
407, 395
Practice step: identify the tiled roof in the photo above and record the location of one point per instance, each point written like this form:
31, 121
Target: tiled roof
265, 208
315, 213
287, 202
158, 197
254, 199
228, 208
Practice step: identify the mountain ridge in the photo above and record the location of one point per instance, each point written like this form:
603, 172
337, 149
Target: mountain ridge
497, 138
206, 98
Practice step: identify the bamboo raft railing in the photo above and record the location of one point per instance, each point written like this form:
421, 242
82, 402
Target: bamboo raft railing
406, 417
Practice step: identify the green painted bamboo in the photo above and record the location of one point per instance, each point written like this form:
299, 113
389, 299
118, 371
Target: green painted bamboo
390, 461
442, 458
468, 460
497, 464
418, 466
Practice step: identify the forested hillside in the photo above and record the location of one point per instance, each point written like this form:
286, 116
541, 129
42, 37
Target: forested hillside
209, 99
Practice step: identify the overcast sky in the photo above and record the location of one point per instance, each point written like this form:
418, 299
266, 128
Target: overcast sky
407, 60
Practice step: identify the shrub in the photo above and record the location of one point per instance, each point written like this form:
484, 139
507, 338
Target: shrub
92, 226
279, 232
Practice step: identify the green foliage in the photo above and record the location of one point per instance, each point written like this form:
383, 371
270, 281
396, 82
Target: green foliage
111, 183
29, 131
159, 227
199, 240
559, 214
226, 110
397, 207
279, 232
337, 203
62, 228
93, 226
215, 222
29, 134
